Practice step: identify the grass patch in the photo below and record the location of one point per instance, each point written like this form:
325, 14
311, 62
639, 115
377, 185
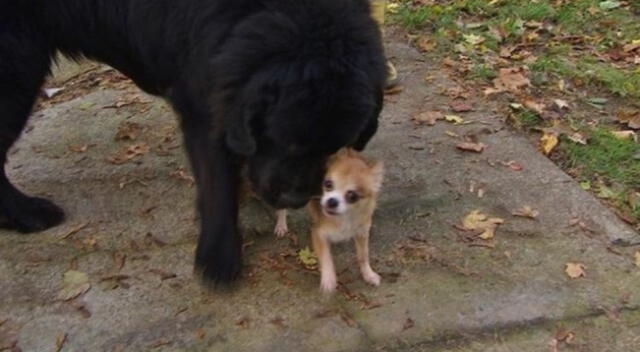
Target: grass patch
607, 157
483, 72
527, 119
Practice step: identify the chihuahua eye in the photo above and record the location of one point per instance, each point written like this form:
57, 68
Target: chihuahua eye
352, 197
328, 185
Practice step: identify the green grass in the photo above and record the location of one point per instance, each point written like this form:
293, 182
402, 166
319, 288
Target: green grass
527, 119
483, 72
601, 29
607, 157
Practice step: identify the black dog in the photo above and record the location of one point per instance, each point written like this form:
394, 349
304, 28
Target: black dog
277, 85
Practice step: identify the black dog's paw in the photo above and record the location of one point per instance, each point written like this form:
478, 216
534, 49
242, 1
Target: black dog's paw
220, 265
30, 214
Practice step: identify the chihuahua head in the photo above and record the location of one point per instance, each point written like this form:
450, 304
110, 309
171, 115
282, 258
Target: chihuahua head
351, 183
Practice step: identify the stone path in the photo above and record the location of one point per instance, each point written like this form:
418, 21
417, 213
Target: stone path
131, 228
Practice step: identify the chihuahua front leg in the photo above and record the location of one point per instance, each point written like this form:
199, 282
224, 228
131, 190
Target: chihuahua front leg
322, 248
362, 249
281, 228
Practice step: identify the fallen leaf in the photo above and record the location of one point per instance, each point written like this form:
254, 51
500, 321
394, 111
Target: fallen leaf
598, 101
455, 119
393, 90
129, 153
128, 131
471, 147
631, 117
164, 275
609, 4
605, 192
243, 322
408, 324
534, 106
509, 79
460, 106
586, 185
637, 258
307, 257
514, 165
160, 343
481, 222
60, 340
526, 212
577, 137
428, 117
561, 104
425, 44
473, 39
575, 270
626, 134
548, 142
74, 283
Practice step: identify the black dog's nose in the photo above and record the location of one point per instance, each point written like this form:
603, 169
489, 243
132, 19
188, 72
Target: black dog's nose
332, 203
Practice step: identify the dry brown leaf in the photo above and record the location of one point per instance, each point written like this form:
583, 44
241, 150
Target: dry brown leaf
526, 212
428, 117
471, 147
631, 117
164, 275
548, 142
128, 131
575, 270
74, 283
481, 222
397, 89
426, 44
512, 79
129, 153
534, 106
60, 340
460, 106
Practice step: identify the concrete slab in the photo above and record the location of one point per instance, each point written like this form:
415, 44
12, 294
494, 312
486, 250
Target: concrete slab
131, 227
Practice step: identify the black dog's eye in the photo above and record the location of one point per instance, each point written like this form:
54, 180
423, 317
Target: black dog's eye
328, 185
352, 197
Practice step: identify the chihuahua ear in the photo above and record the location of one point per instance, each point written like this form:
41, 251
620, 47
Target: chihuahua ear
377, 172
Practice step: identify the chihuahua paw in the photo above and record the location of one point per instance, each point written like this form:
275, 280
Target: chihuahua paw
371, 277
281, 230
328, 283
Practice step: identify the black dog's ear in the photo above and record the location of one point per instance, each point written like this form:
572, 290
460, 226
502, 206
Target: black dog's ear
239, 136
372, 124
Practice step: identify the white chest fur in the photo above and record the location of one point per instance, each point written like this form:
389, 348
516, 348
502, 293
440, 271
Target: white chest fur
344, 229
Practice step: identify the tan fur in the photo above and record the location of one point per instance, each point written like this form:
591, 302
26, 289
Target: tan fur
348, 170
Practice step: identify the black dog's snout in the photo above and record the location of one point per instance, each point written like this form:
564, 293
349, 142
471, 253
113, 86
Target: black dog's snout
332, 203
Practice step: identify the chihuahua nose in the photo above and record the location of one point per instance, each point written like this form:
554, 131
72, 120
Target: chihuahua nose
332, 203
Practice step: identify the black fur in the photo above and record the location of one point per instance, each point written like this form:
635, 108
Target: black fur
277, 85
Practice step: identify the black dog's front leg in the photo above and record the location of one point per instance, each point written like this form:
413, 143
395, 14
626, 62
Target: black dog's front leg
219, 252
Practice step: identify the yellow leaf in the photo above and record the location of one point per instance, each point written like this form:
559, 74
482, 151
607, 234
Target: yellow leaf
479, 221
548, 142
74, 283
627, 134
454, 119
637, 257
473, 39
575, 270
526, 212
307, 257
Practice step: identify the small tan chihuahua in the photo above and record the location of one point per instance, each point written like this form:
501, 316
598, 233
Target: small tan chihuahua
345, 209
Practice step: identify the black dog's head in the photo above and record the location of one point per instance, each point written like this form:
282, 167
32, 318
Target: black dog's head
302, 79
